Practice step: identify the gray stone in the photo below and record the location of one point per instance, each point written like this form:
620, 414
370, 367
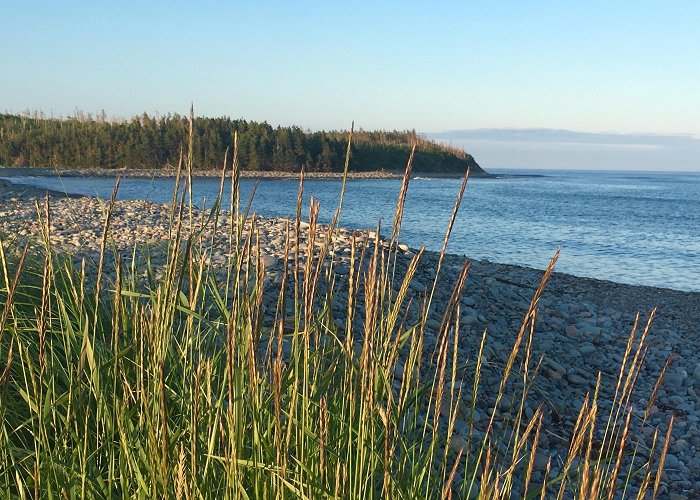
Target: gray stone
672, 462
269, 261
458, 443
586, 348
576, 379
555, 366
541, 460
696, 373
475, 416
433, 324
675, 378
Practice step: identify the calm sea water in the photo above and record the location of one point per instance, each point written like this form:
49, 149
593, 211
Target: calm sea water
637, 228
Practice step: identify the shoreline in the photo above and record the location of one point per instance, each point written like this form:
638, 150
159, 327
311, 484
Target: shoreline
582, 328
21, 189
646, 296
649, 295
212, 173
6, 173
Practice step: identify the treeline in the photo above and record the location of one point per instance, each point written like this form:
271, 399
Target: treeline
154, 142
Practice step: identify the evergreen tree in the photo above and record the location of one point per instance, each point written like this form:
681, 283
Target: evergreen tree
145, 141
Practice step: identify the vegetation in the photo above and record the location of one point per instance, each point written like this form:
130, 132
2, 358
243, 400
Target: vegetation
153, 142
110, 390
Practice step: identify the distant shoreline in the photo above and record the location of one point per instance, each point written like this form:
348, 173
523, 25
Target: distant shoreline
246, 174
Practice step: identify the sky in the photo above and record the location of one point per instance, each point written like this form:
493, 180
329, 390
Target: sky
536, 84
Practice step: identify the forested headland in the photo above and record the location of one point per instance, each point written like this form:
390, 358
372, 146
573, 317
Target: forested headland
153, 142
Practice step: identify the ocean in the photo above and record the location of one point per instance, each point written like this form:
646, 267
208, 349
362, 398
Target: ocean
638, 228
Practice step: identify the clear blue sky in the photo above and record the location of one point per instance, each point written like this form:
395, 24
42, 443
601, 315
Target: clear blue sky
620, 67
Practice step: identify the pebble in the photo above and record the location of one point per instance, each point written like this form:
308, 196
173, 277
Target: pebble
576, 379
458, 443
433, 325
269, 261
672, 462
587, 348
555, 366
675, 377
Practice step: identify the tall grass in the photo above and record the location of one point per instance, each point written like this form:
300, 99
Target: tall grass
173, 388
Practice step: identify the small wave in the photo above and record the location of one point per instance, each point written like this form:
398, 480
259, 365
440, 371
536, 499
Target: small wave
424, 178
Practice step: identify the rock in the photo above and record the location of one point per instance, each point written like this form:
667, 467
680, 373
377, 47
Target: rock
505, 404
470, 302
675, 378
475, 416
576, 379
458, 443
586, 348
591, 331
696, 373
468, 311
433, 324
672, 462
556, 367
541, 460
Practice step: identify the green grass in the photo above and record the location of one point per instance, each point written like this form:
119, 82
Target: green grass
159, 388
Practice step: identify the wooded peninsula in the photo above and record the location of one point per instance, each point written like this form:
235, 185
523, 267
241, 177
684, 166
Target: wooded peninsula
154, 142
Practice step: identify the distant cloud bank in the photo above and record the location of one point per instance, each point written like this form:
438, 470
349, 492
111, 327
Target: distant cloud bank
558, 148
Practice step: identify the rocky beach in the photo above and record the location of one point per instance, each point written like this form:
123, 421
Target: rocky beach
582, 328
170, 171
